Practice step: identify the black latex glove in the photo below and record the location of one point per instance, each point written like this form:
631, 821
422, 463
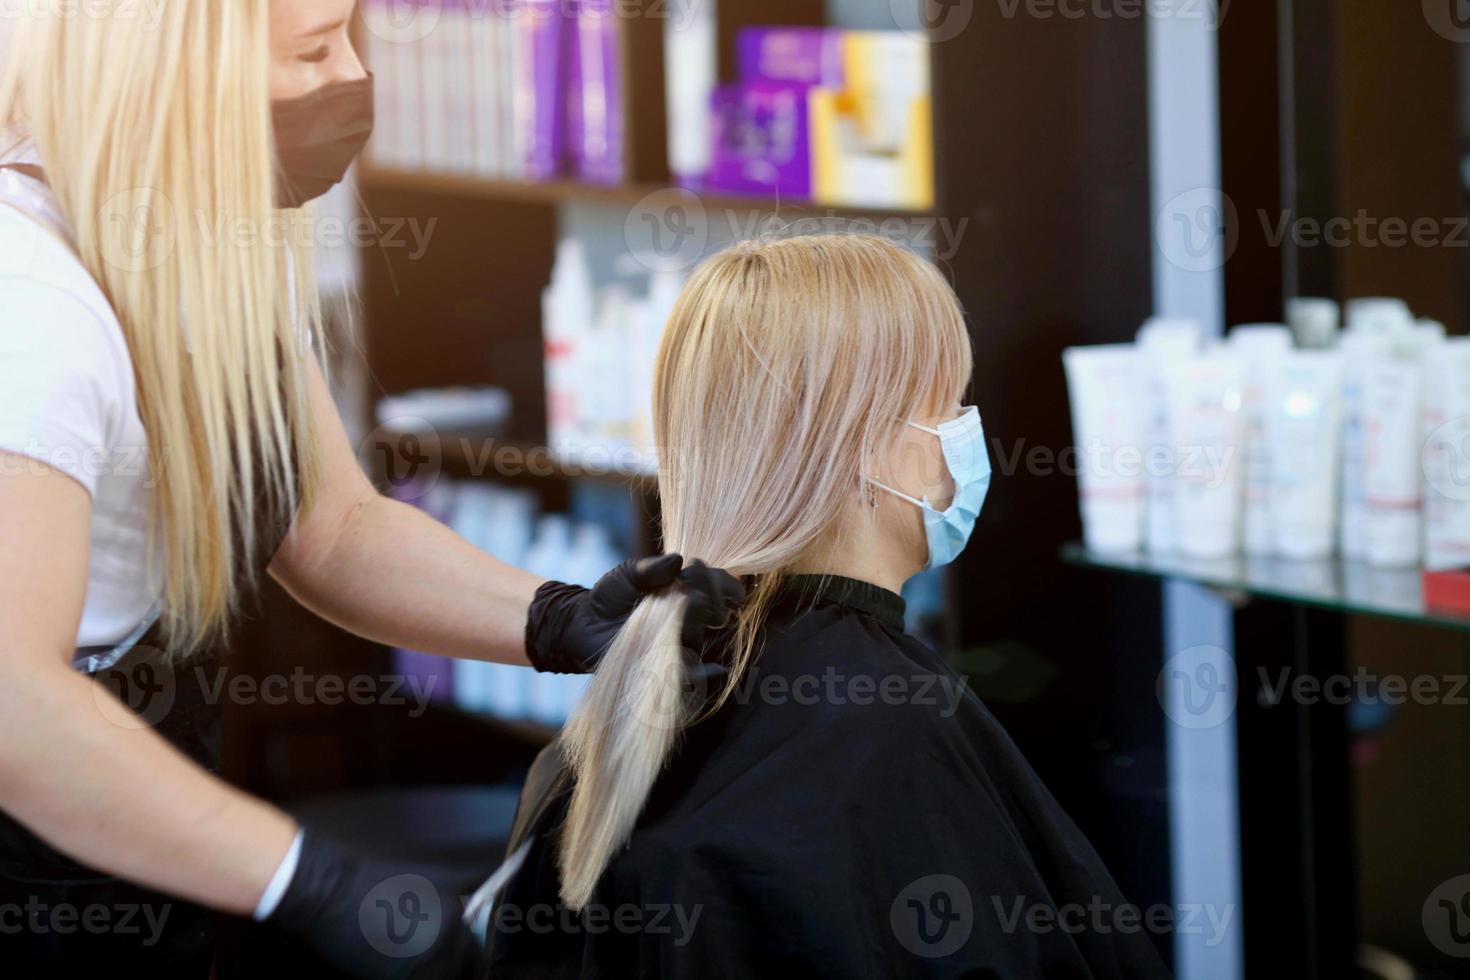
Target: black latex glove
570, 628
376, 919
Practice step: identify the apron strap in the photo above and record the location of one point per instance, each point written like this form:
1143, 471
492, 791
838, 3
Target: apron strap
26, 169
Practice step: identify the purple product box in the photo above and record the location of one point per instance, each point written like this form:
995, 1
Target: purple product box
803, 55
595, 124
540, 99
762, 144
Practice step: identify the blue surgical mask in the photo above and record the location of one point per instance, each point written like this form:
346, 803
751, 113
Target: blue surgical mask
963, 442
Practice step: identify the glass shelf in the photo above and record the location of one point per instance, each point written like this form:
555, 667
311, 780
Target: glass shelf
1346, 587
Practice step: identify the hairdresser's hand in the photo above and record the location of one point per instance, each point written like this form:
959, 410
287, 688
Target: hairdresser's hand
570, 627
376, 919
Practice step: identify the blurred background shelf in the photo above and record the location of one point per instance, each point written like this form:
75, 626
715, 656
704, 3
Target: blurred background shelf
1353, 588
576, 192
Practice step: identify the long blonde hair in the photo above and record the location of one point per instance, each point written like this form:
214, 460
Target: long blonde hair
153, 126
786, 365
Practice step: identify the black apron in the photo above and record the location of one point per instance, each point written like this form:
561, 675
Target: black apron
59, 918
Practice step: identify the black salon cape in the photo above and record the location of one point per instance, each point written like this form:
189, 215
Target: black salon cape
825, 828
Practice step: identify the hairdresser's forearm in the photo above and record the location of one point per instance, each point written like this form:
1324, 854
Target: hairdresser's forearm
120, 799
395, 575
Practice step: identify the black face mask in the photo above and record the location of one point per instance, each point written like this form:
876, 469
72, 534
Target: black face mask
318, 135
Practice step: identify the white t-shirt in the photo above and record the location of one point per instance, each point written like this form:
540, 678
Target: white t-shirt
67, 399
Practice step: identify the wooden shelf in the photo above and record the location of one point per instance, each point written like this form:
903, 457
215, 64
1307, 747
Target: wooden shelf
552, 193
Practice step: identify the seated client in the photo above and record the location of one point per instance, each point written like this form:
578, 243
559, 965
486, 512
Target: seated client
815, 793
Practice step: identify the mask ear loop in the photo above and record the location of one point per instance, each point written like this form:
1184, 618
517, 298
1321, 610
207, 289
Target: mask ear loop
897, 493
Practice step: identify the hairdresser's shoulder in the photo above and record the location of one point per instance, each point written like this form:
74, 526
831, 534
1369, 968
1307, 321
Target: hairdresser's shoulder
45, 287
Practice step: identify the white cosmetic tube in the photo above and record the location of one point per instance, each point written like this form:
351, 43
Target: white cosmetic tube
1261, 347
1103, 386
1204, 400
1392, 450
1303, 426
1314, 322
1161, 343
1446, 455
1378, 314
1358, 348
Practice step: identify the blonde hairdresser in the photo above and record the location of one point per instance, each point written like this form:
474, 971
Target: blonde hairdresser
135, 321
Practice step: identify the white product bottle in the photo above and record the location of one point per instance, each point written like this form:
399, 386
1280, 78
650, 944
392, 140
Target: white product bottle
1304, 427
1378, 314
649, 321
605, 381
566, 322
691, 54
1314, 322
1447, 455
1108, 434
1357, 354
1204, 397
1392, 459
548, 558
473, 679
1161, 343
512, 515
592, 555
1261, 347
